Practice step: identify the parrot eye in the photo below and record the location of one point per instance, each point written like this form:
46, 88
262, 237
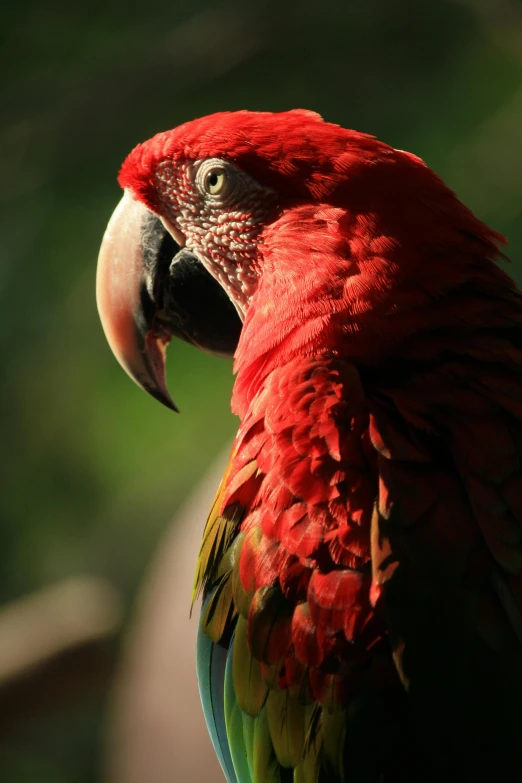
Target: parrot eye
214, 178
215, 181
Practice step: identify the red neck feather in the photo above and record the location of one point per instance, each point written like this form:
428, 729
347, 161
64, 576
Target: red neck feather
398, 259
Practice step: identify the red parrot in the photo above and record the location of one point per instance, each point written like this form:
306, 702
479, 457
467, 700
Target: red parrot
361, 567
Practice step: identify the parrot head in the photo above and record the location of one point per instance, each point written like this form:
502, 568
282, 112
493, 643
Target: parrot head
255, 234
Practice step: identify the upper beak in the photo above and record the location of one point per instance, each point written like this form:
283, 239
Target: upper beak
148, 290
137, 342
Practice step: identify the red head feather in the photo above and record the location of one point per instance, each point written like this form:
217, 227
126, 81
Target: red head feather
366, 240
294, 152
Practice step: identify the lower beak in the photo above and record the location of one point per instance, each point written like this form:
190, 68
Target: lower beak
148, 290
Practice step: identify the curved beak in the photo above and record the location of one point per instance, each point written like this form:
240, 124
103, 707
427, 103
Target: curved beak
135, 340
148, 289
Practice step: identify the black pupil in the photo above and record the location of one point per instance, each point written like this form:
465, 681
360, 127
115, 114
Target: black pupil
213, 179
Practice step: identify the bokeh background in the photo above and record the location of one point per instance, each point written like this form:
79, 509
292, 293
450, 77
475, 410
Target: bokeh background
92, 470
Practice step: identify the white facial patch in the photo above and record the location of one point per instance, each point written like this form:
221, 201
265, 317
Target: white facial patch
220, 211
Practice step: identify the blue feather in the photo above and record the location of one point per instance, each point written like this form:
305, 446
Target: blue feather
211, 663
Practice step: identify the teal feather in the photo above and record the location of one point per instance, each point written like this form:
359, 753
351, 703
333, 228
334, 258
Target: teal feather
211, 661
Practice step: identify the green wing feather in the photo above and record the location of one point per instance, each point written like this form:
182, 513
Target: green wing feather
288, 721
250, 688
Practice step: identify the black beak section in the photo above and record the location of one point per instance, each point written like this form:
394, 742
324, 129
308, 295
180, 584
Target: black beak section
195, 307
149, 290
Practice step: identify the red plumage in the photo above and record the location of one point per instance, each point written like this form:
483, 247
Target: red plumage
377, 465
312, 508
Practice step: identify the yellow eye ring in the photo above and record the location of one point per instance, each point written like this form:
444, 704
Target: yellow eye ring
216, 181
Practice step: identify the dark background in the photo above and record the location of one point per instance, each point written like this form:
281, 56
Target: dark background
93, 470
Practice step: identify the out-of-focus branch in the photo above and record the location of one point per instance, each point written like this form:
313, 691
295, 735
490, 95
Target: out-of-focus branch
54, 646
157, 717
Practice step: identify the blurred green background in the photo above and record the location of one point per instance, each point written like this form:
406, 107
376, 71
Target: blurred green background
92, 469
